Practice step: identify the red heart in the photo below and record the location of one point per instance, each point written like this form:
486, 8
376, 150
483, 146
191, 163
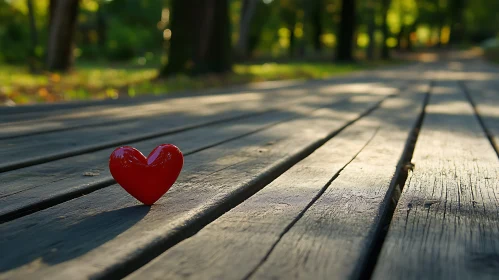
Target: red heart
146, 179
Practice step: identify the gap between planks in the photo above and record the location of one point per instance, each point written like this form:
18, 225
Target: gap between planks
392, 196
488, 134
445, 225
302, 212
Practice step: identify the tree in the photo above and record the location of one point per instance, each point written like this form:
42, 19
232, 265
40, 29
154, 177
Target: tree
314, 16
200, 40
34, 36
62, 24
385, 6
247, 12
457, 8
371, 28
288, 13
263, 12
346, 31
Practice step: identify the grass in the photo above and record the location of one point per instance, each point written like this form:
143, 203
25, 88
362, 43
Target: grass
100, 80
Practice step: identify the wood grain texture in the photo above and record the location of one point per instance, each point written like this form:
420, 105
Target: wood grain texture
32, 111
21, 152
106, 233
33, 123
335, 235
239, 241
46, 121
446, 222
37, 111
485, 96
29, 189
27, 151
36, 123
41, 186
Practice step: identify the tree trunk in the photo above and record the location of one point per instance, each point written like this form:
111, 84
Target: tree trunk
400, 36
371, 28
101, 27
408, 34
292, 40
457, 21
346, 32
63, 16
263, 13
247, 13
52, 5
385, 51
32, 61
316, 21
200, 41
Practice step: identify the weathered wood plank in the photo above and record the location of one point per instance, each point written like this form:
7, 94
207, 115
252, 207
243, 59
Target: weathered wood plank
446, 223
298, 226
18, 125
40, 186
21, 152
33, 111
106, 233
485, 96
36, 123
40, 109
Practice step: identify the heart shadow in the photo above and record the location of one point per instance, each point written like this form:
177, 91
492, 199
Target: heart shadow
69, 241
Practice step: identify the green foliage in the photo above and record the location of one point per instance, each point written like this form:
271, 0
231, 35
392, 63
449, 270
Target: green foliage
125, 42
126, 29
13, 34
130, 29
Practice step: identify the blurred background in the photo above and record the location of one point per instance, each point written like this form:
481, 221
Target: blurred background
61, 50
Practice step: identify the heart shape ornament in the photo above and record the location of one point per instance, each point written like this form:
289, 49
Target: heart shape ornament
146, 179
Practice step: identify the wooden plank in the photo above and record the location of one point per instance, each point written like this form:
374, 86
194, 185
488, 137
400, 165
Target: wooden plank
22, 152
21, 125
485, 97
18, 125
106, 233
36, 123
40, 109
41, 186
314, 221
446, 223
108, 103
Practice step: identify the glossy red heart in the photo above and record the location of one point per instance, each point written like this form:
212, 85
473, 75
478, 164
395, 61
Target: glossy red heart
146, 179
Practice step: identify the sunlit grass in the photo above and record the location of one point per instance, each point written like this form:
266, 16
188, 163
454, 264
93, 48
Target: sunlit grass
100, 81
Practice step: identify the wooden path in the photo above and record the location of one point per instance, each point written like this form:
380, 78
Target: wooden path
387, 174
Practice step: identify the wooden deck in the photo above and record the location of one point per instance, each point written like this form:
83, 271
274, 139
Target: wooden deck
387, 174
